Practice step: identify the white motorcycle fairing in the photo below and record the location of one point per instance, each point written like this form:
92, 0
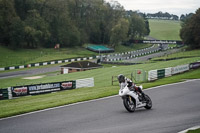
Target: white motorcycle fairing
126, 92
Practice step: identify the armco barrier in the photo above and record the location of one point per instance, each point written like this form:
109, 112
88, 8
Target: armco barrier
129, 55
158, 74
47, 63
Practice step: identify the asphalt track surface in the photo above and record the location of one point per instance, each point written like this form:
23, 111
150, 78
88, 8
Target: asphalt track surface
134, 53
33, 71
150, 56
176, 107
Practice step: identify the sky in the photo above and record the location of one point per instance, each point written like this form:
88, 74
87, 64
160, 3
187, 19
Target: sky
176, 7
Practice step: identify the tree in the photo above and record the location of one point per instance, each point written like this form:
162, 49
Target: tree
147, 27
36, 30
63, 30
137, 27
44, 23
16, 34
190, 30
161, 15
119, 32
7, 15
185, 17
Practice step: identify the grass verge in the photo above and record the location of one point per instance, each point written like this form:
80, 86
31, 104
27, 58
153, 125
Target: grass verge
194, 131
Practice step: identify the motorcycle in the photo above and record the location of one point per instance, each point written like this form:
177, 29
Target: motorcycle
133, 100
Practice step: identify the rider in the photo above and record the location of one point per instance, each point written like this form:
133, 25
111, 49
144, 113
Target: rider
123, 81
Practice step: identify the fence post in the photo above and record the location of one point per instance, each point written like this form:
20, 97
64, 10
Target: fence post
112, 80
9, 93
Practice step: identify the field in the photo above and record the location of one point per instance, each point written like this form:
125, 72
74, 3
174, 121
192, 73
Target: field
102, 87
25, 56
165, 29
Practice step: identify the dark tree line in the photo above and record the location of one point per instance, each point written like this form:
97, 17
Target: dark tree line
186, 16
161, 15
44, 23
190, 31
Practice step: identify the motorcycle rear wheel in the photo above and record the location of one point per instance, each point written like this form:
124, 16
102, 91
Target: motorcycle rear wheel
129, 104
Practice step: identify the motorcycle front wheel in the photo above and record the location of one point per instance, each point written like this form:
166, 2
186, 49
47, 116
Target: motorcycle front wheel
149, 102
129, 104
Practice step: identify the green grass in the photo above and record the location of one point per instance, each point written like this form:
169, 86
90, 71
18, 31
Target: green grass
164, 29
25, 56
194, 131
102, 88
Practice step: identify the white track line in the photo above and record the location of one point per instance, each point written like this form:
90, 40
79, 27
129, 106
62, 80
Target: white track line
88, 101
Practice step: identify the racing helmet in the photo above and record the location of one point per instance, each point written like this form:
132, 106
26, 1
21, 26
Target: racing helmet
121, 78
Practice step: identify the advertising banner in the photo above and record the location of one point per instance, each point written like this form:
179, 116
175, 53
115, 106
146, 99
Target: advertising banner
161, 73
180, 69
195, 65
68, 85
19, 91
43, 88
3, 94
156, 41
